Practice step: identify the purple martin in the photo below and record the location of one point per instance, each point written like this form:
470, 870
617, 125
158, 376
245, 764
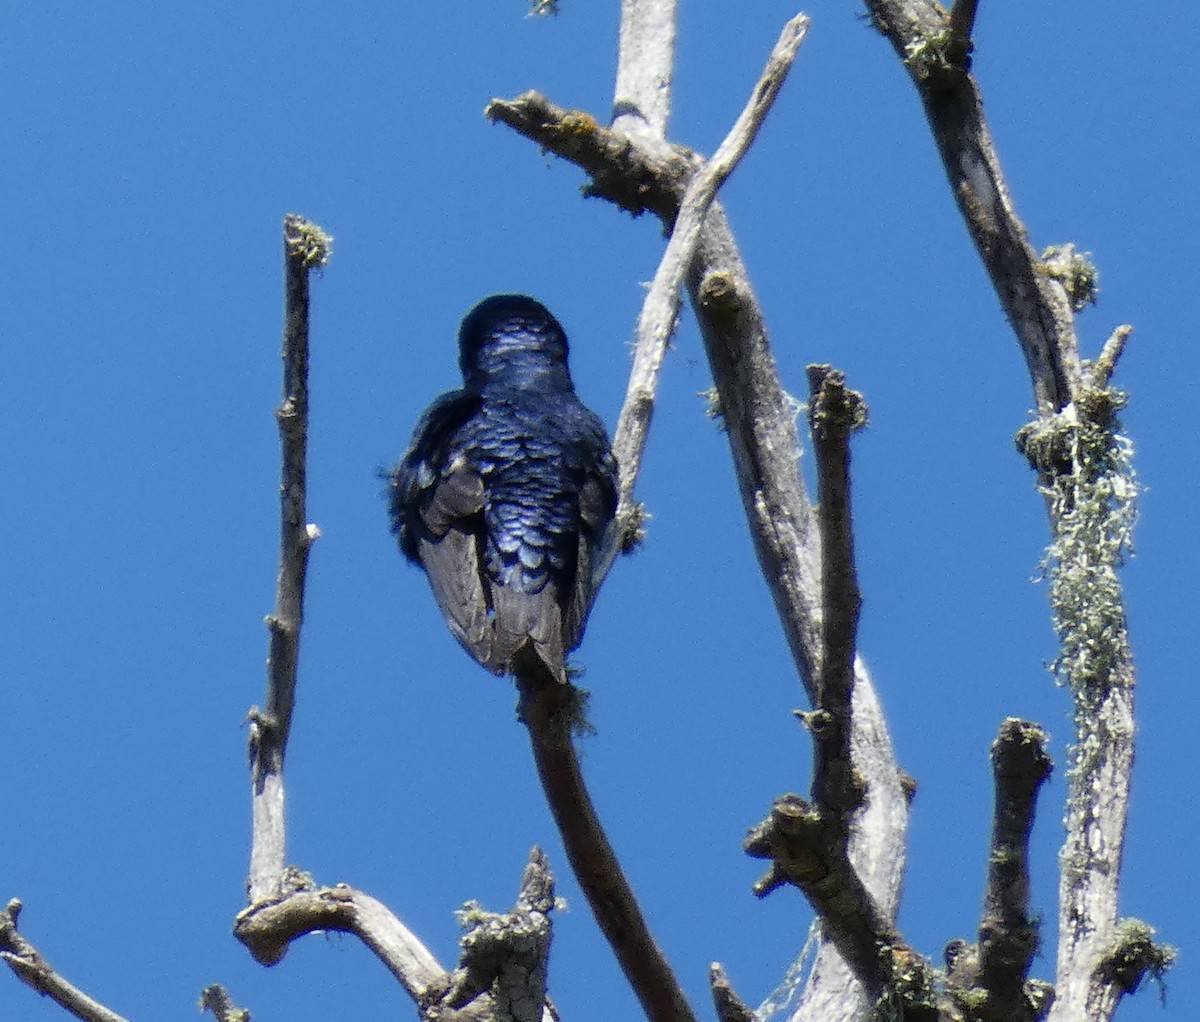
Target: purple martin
508, 492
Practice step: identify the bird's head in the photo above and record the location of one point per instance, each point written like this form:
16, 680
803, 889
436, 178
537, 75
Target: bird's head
513, 341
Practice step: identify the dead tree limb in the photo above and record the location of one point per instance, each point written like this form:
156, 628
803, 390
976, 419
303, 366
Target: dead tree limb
1084, 468
32, 969
550, 710
306, 247
634, 166
285, 902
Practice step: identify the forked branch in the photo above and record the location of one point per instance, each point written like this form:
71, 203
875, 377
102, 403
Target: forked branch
808, 842
660, 310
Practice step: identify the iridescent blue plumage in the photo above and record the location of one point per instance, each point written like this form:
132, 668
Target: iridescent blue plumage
507, 494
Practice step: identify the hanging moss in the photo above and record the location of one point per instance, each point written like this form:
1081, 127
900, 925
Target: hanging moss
1085, 464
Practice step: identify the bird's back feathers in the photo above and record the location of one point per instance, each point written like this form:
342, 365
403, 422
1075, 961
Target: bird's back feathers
507, 494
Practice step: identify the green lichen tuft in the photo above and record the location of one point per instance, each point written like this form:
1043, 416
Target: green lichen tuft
928, 55
1133, 954
471, 915
909, 993
307, 242
1075, 271
1039, 995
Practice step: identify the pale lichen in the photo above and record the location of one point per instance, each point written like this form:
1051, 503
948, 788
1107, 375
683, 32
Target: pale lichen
1085, 467
712, 407
1133, 953
927, 55
1075, 271
307, 242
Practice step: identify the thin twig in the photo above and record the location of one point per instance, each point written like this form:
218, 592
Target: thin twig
660, 310
548, 709
1110, 355
306, 247
284, 902
31, 968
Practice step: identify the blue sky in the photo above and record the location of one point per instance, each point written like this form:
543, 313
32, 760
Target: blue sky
150, 152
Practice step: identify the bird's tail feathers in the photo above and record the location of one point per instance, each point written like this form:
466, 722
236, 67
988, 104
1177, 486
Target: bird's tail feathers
518, 618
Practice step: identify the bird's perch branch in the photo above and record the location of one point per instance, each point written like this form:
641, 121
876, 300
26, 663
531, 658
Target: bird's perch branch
32, 969
550, 709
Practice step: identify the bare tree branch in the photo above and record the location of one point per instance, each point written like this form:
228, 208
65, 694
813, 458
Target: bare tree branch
215, 998
834, 414
266, 928
286, 903
808, 843
645, 59
1083, 466
550, 710
660, 310
730, 1007
1037, 305
1008, 936
32, 969
306, 247
640, 173
805, 849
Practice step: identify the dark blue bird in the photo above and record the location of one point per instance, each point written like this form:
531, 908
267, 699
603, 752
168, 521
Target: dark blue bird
508, 492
